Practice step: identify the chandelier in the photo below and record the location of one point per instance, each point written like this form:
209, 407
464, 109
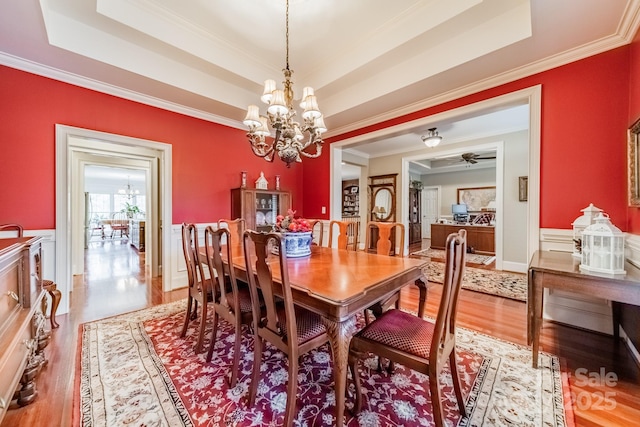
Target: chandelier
289, 140
128, 191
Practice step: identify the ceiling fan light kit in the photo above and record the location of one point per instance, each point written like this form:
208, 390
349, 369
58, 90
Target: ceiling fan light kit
432, 138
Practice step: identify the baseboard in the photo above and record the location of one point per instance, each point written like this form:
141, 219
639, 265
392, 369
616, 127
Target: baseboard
516, 267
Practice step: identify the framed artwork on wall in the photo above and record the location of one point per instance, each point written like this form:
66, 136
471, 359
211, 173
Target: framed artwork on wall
633, 164
523, 188
476, 198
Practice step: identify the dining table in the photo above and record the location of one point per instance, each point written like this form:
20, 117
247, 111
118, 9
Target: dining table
337, 284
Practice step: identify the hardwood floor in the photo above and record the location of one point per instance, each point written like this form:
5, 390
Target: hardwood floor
115, 282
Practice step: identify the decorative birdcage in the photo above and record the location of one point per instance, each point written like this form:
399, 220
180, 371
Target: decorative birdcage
603, 247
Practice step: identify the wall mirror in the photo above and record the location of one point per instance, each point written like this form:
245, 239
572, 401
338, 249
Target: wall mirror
633, 166
382, 197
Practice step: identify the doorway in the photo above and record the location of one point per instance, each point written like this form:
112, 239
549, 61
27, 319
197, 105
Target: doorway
430, 209
76, 147
531, 96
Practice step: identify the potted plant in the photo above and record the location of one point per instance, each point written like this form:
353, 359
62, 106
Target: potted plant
131, 210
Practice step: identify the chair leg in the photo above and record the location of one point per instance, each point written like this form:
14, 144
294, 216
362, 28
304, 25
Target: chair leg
436, 399
187, 317
236, 356
455, 376
292, 388
255, 375
214, 333
203, 325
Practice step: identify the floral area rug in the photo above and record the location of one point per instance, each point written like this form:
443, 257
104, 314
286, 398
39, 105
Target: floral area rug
136, 370
493, 282
440, 254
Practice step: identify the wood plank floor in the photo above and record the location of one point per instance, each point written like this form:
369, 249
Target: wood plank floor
115, 282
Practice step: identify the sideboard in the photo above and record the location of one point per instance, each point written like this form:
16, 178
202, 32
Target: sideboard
22, 335
479, 237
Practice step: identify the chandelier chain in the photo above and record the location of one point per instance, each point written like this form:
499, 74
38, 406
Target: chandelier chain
287, 33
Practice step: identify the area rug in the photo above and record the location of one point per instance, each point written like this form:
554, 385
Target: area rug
440, 254
135, 369
494, 282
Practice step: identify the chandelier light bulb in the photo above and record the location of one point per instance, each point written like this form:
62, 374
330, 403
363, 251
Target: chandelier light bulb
311, 110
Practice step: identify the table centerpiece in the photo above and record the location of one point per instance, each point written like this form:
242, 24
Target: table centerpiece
296, 232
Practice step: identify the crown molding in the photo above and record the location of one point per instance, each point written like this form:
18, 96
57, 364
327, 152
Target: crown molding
84, 82
567, 57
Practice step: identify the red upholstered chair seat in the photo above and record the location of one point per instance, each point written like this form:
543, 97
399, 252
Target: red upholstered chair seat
308, 324
402, 331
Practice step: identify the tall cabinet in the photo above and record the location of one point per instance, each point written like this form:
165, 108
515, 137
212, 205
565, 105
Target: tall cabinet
415, 216
259, 208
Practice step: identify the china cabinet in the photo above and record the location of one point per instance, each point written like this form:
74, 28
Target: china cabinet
415, 224
259, 208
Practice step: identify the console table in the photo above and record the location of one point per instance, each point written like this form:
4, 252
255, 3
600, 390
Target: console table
479, 237
560, 270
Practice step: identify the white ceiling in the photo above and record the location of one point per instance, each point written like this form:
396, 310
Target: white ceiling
368, 60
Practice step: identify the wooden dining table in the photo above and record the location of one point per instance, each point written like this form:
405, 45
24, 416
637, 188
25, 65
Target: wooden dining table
337, 284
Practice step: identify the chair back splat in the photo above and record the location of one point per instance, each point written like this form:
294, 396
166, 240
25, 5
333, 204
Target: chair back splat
417, 343
292, 329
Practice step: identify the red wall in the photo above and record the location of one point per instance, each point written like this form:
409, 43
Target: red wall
634, 114
585, 108
207, 157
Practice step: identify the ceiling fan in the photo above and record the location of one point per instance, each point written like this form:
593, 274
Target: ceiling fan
473, 158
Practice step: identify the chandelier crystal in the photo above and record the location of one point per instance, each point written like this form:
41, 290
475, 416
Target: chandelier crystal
289, 140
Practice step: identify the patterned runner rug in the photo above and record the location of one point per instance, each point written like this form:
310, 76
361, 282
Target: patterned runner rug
134, 369
471, 258
493, 282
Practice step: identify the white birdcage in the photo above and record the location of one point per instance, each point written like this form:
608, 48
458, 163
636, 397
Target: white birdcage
579, 224
603, 247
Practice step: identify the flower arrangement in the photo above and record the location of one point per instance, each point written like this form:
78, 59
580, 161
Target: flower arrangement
291, 224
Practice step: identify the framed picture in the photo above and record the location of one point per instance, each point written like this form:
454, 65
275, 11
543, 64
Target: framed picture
476, 198
523, 188
633, 164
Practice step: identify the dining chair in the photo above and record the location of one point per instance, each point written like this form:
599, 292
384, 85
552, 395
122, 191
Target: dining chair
385, 245
386, 240
347, 234
230, 301
120, 223
200, 288
292, 329
235, 226
319, 232
417, 343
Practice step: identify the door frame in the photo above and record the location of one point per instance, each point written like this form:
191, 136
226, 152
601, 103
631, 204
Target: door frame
423, 209
71, 144
531, 95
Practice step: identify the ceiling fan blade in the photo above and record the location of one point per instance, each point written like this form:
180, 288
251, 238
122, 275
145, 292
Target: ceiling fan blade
485, 158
